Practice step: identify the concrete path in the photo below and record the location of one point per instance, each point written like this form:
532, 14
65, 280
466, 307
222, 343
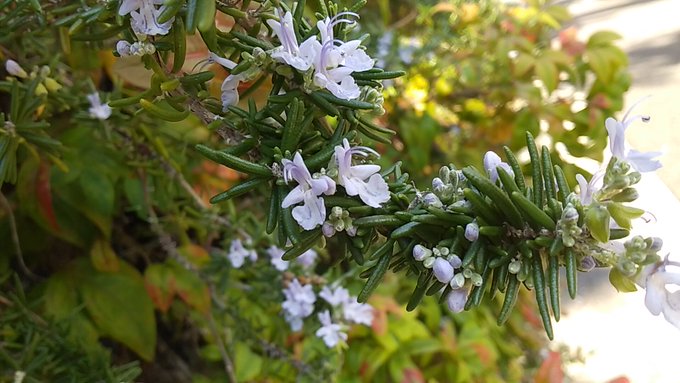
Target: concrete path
615, 332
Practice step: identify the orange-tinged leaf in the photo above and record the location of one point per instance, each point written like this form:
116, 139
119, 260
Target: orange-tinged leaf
159, 282
550, 370
620, 379
191, 288
195, 254
44, 195
103, 257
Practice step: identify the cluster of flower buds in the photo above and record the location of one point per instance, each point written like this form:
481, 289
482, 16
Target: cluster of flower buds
446, 186
47, 84
444, 264
338, 220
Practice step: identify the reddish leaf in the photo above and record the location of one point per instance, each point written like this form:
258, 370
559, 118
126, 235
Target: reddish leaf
413, 375
620, 379
159, 283
195, 254
191, 289
550, 370
44, 195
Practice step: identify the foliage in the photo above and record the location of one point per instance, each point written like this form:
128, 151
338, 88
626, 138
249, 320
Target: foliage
105, 203
479, 74
45, 351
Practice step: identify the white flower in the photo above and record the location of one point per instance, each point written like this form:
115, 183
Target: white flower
97, 109
347, 54
276, 255
362, 180
472, 231
15, 69
358, 313
300, 57
491, 163
299, 303
307, 258
313, 211
144, 16
655, 278
642, 162
330, 332
213, 58
238, 254
456, 300
335, 297
443, 270
337, 80
588, 189
229, 88
19, 376
229, 91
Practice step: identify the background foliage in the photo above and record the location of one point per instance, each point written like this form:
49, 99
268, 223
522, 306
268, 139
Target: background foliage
111, 254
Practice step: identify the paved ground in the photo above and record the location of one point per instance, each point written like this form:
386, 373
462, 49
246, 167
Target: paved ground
615, 332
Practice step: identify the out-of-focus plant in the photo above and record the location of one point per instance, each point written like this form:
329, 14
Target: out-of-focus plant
480, 73
108, 153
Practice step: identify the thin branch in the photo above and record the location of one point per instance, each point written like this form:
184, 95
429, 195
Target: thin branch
15, 238
228, 365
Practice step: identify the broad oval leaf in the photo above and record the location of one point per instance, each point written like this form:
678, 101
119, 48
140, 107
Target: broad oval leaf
121, 309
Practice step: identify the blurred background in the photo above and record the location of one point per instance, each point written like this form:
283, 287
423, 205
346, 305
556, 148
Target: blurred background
615, 330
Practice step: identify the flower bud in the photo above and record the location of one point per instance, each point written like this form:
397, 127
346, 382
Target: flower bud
421, 252
458, 281
476, 279
472, 231
587, 264
654, 243
336, 212
15, 69
444, 174
514, 266
456, 300
437, 184
431, 200
123, 48
455, 261
570, 214
443, 270
327, 229
52, 85
339, 225
429, 262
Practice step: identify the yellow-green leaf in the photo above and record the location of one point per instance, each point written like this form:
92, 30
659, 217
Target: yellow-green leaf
603, 38
121, 309
103, 257
546, 71
620, 282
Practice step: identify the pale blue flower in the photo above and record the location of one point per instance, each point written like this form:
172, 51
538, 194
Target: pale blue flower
362, 180
331, 333
642, 162
313, 211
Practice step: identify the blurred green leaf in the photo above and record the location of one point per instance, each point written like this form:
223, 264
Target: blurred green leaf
121, 309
